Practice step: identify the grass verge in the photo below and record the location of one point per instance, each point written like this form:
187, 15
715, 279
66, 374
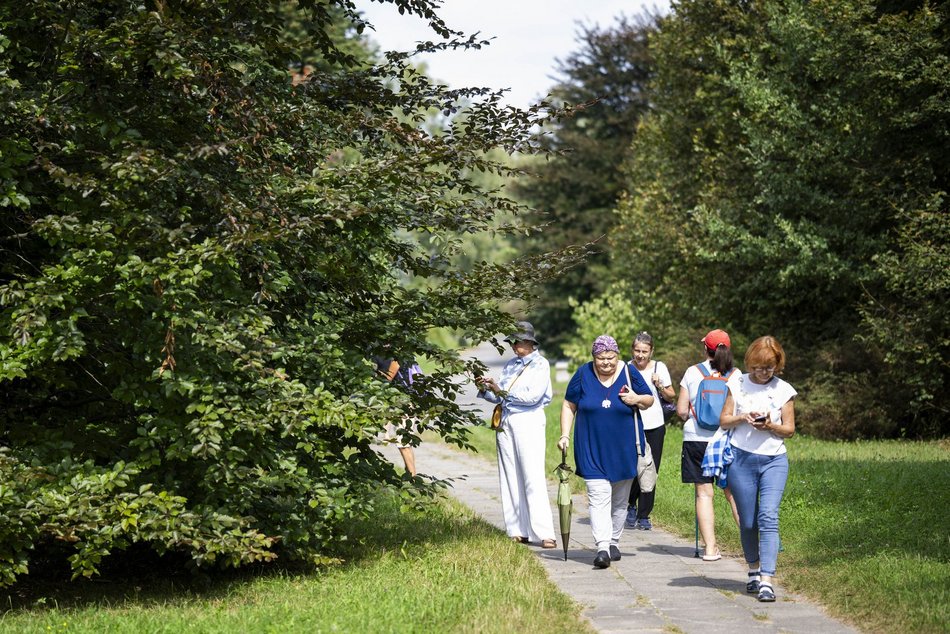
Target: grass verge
439, 571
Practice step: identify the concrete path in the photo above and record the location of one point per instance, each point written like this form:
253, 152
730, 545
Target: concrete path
658, 586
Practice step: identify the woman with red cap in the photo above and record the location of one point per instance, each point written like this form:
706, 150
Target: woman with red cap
695, 437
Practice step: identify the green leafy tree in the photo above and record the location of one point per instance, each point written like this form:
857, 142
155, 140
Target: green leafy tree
797, 165
576, 188
199, 253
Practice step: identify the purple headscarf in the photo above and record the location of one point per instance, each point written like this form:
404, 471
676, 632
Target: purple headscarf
604, 343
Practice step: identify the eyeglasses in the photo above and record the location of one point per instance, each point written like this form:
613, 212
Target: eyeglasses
762, 370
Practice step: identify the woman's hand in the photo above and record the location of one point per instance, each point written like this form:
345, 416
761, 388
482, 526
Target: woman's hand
568, 411
759, 420
629, 398
632, 399
487, 384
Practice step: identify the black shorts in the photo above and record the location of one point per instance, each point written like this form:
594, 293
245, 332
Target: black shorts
692, 462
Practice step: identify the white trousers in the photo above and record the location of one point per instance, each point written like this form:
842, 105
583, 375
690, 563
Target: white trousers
524, 489
607, 502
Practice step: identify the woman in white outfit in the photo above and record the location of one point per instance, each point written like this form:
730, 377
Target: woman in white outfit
761, 411
524, 389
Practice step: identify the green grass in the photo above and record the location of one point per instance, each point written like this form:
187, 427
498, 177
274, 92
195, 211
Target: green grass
865, 529
865, 526
438, 571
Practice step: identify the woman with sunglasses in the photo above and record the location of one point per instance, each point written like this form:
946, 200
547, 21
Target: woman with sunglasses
761, 412
524, 390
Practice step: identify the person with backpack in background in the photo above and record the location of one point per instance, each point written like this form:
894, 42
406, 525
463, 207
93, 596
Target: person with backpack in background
402, 375
703, 393
760, 409
656, 375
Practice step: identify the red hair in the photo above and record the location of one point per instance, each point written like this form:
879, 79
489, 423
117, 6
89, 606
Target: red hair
765, 352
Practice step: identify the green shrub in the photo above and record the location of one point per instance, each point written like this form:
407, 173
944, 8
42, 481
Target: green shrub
199, 254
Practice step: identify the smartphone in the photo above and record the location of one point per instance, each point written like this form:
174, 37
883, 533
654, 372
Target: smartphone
760, 419
624, 389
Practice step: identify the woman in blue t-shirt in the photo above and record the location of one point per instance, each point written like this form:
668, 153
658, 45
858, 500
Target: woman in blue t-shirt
604, 442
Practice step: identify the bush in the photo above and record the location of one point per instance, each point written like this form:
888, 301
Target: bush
199, 255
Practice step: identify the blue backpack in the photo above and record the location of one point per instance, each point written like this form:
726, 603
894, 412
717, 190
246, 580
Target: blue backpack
710, 398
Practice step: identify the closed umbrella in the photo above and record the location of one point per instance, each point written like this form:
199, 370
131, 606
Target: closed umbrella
565, 505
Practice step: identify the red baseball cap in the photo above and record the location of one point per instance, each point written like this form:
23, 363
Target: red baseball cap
714, 338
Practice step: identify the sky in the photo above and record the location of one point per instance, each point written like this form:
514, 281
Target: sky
530, 36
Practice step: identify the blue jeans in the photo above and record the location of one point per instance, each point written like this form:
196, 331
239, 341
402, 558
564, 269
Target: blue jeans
757, 482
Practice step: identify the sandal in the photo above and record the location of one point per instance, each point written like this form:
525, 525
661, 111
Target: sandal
716, 556
548, 543
766, 594
752, 587
519, 540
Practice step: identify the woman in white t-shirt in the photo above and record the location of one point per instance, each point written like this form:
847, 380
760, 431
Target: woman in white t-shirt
695, 438
657, 376
761, 410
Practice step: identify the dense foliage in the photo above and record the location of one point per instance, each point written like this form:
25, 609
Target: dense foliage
796, 168
575, 189
198, 256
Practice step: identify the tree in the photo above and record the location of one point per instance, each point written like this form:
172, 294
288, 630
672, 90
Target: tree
198, 257
575, 190
796, 161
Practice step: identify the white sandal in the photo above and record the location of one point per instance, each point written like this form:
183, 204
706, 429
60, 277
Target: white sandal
714, 557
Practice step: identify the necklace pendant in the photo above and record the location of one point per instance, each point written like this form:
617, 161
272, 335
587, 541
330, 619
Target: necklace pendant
606, 403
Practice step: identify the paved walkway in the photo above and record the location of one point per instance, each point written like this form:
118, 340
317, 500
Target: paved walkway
658, 586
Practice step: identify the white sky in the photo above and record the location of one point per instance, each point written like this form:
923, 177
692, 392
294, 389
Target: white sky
529, 36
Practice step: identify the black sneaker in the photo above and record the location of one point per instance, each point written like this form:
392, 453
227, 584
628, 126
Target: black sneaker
614, 553
602, 560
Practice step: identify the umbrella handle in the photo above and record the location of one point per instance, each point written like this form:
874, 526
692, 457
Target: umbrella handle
564, 456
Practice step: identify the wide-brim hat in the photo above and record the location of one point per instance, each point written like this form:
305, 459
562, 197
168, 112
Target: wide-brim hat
525, 332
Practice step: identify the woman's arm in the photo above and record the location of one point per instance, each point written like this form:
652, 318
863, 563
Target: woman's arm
785, 429
728, 418
667, 393
488, 389
641, 396
682, 403
640, 401
568, 410
661, 375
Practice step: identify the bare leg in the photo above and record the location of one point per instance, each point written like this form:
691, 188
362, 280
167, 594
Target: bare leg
706, 517
409, 459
